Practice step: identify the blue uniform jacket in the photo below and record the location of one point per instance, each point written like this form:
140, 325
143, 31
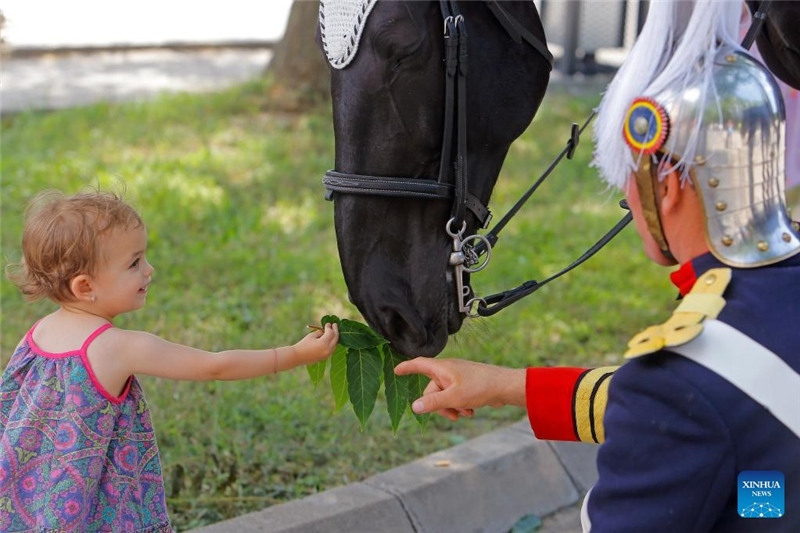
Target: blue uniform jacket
678, 435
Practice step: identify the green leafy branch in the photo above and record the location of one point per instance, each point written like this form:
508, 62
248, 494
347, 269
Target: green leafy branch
360, 363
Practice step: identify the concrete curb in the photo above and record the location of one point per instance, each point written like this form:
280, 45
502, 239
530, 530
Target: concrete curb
489, 484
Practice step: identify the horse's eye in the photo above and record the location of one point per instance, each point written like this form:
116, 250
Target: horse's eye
397, 39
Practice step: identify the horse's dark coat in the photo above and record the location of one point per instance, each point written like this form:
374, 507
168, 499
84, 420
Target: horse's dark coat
779, 40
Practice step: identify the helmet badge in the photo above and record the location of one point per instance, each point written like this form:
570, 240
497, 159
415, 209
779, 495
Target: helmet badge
646, 126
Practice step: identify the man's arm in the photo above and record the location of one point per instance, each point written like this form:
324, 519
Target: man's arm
563, 403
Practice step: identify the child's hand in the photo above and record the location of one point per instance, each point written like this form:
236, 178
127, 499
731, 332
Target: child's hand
317, 345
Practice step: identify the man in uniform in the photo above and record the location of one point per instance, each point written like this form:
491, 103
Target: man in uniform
712, 394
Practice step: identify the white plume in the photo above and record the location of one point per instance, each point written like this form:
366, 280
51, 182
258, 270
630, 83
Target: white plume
661, 33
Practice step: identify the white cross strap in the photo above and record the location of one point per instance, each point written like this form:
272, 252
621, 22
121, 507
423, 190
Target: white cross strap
749, 366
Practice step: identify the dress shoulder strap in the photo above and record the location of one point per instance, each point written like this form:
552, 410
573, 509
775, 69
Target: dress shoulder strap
94, 335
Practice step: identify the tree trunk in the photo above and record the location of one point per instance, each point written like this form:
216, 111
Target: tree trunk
299, 71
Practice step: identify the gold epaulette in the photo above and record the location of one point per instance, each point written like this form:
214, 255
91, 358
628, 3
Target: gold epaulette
703, 301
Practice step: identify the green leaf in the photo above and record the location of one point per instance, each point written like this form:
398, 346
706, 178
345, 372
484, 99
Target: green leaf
333, 319
394, 387
363, 380
339, 377
316, 371
358, 336
416, 383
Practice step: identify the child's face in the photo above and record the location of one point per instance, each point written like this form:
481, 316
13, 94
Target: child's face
120, 284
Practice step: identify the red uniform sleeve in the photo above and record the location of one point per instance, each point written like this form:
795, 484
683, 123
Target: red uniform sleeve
567, 403
549, 395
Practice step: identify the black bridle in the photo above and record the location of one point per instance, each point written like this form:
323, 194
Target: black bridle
452, 182
453, 176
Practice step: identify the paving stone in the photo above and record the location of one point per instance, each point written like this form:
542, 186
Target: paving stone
580, 460
490, 483
354, 508
567, 520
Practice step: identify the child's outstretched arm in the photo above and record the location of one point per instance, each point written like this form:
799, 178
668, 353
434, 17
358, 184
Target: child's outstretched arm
118, 353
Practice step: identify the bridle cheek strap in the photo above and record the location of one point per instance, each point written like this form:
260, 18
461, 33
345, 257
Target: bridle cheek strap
646, 185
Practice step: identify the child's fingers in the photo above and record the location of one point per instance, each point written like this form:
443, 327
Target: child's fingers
330, 333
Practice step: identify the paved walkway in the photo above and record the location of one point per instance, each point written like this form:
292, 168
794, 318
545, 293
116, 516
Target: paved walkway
55, 81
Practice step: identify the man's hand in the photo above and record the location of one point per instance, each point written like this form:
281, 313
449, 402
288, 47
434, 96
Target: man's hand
458, 387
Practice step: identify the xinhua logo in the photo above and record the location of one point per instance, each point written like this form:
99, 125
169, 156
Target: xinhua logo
761, 494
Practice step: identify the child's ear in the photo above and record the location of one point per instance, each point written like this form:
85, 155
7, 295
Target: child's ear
82, 289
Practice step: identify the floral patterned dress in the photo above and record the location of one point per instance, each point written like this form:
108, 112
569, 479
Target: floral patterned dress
72, 456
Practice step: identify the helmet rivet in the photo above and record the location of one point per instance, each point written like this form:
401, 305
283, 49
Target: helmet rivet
786, 237
721, 206
713, 182
730, 58
763, 246
641, 125
796, 226
727, 240
699, 160
710, 279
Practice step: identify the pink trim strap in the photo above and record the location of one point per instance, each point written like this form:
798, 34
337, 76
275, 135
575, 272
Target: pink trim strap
94, 335
85, 359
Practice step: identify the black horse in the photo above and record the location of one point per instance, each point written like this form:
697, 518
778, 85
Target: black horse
389, 120
393, 114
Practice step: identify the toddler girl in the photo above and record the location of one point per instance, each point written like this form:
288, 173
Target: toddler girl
77, 448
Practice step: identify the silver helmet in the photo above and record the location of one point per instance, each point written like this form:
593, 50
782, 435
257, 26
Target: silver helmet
725, 130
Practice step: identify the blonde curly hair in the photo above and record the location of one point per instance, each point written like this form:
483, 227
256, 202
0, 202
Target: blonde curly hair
61, 240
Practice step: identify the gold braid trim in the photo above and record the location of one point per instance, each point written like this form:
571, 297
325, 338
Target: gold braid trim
589, 403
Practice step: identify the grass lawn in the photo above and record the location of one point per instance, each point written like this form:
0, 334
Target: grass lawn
245, 256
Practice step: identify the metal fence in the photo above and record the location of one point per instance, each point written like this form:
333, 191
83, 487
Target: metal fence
591, 36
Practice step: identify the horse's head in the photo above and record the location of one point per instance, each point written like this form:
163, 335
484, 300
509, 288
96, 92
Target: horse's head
389, 116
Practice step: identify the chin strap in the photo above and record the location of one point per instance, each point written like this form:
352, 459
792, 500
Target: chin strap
648, 198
